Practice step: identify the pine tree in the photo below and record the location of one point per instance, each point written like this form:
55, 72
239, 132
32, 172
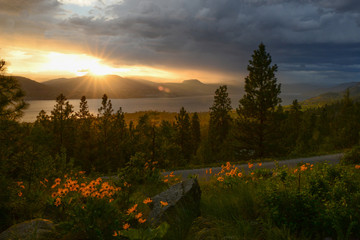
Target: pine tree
61, 116
104, 125
84, 146
256, 108
183, 133
11, 96
195, 132
220, 120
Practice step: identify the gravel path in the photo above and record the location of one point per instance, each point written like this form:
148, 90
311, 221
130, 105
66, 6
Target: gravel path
201, 172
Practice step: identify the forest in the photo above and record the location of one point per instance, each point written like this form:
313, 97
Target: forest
64, 141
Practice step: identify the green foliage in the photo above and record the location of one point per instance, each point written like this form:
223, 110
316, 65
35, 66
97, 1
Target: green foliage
183, 134
140, 170
352, 156
147, 233
220, 124
11, 96
279, 206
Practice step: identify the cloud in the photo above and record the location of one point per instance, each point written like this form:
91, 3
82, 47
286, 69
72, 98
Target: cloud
198, 34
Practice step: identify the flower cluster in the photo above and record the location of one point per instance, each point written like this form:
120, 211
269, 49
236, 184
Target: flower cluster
93, 189
171, 178
134, 215
21, 186
304, 167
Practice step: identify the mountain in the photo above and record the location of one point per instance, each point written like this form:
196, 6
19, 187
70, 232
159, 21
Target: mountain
118, 87
335, 93
35, 90
115, 87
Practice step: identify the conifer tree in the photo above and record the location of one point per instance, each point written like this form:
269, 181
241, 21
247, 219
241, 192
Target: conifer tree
220, 119
105, 134
256, 108
11, 96
195, 132
61, 116
183, 133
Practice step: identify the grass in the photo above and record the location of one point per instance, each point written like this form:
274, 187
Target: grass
278, 206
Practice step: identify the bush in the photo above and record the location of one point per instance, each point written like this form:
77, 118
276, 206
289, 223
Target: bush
351, 157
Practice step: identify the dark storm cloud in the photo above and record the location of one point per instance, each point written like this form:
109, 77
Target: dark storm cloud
212, 34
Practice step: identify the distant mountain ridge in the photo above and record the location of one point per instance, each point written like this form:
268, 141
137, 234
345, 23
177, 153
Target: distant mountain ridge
335, 93
94, 87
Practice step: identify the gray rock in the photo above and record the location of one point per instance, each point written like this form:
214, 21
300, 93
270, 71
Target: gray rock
183, 207
36, 229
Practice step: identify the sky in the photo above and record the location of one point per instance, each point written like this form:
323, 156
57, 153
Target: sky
311, 41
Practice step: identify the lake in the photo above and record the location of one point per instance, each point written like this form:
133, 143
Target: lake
131, 105
191, 104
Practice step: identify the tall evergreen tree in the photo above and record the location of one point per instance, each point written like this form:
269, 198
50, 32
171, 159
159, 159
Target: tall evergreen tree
104, 134
256, 108
220, 120
195, 132
84, 145
61, 116
11, 96
183, 134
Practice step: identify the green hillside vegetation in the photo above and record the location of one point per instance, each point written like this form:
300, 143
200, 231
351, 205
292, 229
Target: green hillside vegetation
332, 97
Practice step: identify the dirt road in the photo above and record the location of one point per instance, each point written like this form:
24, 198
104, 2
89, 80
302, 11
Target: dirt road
201, 172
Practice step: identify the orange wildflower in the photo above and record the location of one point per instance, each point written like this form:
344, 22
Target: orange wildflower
220, 179
252, 173
250, 165
146, 201
210, 171
140, 220
239, 174
57, 181
20, 194
116, 233
166, 180
295, 171
126, 226
54, 194
130, 210
357, 166
303, 167
259, 164
139, 215
57, 201
163, 204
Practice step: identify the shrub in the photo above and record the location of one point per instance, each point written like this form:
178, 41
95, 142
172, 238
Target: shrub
351, 157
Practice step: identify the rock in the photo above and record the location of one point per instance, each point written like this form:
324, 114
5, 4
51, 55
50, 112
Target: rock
183, 207
39, 229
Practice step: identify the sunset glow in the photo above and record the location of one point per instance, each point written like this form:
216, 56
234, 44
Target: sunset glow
79, 64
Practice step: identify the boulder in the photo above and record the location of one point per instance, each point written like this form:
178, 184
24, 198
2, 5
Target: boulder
183, 206
39, 229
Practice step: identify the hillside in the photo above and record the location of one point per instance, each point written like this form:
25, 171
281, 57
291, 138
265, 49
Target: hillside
35, 90
93, 87
334, 94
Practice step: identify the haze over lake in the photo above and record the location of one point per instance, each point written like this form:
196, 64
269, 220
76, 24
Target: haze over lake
191, 104
131, 105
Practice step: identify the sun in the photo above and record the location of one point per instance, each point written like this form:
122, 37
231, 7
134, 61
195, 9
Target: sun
99, 70
79, 64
